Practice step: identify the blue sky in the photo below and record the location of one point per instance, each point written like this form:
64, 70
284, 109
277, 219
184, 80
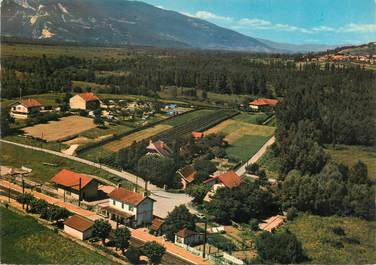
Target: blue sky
291, 21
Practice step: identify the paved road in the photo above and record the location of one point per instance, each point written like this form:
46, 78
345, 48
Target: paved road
256, 157
165, 201
141, 234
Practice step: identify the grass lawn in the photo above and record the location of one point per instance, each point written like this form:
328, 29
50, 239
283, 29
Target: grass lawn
110, 129
187, 117
269, 164
56, 146
246, 146
254, 118
16, 156
350, 154
24, 241
323, 246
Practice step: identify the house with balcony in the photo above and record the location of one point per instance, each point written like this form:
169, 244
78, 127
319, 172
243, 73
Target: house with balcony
129, 208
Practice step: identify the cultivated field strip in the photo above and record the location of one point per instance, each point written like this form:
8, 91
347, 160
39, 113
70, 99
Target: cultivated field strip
201, 123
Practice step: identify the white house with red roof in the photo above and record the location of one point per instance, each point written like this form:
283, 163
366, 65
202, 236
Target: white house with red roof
78, 227
187, 175
129, 207
225, 180
262, 103
25, 108
159, 147
84, 101
74, 184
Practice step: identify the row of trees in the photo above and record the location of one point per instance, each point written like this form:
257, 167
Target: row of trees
102, 229
337, 189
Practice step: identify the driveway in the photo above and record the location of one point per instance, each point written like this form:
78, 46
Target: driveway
165, 201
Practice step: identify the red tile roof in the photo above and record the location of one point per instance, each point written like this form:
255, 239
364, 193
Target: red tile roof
89, 96
188, 173
127, 196
79, 223
30, 102
230, 179
71, 179
197, 135
264, 102
160, 147
156, 223
185, 232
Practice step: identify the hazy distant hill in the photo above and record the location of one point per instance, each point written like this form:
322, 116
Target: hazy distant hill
117, 22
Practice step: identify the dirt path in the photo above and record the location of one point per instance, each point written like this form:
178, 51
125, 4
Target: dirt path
257, 156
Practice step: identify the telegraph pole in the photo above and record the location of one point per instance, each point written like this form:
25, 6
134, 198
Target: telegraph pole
79, 193
206, 228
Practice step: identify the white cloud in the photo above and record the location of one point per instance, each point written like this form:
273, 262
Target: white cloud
264, 24
323, 28
206, 15
256, 23
353, 27
211, 16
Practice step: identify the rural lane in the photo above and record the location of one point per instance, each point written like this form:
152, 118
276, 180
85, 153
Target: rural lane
165, 201
256, 156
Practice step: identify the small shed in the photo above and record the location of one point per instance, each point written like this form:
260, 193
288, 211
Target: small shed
79, 227
188, 237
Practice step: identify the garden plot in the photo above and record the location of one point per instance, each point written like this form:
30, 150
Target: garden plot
63, 128
126, 141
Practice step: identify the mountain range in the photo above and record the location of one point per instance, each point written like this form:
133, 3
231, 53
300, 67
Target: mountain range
122, 22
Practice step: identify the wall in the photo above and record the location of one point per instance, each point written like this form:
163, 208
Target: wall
118, 205
77, 102
144, 212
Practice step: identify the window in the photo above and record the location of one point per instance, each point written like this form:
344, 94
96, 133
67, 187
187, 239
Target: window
122, 205
68, 192
113, 202
131, 208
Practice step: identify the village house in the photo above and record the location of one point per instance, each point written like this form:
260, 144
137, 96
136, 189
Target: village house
159, 147
229, 180
25, 108
188, 237
84, 101
75, 185
197, 135
263, 104
129, 208
272, 223
79, 227
187, 175
156, 226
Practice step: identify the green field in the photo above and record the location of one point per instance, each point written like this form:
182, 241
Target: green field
15, 156
323, 246
110, 129
37, 50
56, 146
181, 119
254, 118
246, 146
350, 154
24, 241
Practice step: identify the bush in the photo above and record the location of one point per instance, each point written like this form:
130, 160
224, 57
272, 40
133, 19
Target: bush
221, 242
292, 213
252, 168
282, 247
338, 231
253, 224
133, 254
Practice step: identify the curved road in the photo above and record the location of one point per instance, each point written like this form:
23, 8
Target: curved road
165, 201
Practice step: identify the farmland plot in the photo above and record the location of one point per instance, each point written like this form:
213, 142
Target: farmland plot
57, 130
126, 141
